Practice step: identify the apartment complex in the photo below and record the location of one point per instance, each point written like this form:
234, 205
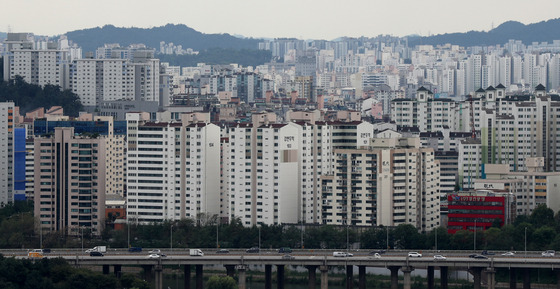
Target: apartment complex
392, 182
36, 65
110, 79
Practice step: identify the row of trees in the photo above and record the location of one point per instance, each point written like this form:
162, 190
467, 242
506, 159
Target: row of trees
539, 231
57, 273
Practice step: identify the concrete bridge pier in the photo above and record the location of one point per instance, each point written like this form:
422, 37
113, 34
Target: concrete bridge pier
362, 277
491, 278
267, 276
394, 277
443, 272
430, 273
324, 277
230, 270
406, 272
147, 273
199, 277
280, 276
526, 278
349, 276
512, 278
117, 271
159, 276
187, 276
312, 276
241, 271
106, 269
477, 277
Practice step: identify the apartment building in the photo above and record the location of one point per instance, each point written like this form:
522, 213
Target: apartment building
392, 182
530, 188
110, 79
173, 169
6, 153
70, 179
48, 65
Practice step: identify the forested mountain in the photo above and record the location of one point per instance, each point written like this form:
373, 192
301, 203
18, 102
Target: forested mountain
245, 57
545, 31
90, 39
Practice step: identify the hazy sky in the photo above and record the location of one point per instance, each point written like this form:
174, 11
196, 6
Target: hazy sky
304, 19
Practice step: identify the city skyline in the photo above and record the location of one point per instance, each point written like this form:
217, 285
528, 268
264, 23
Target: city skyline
261, 19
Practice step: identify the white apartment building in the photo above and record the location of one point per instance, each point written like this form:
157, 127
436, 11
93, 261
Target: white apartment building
97, 80
40, 66
173, 170
392, 182
264, 174
6, 153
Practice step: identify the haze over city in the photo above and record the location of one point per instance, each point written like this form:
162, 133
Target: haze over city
327, 19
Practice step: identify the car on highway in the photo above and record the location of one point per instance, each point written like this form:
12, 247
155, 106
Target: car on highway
508, 254
377, 252
414, 254
253, 250
486, 253
285, 250
342, 254
439, 257
135, 249
478, 256
376, 255
222, 251
288, 257
548, 253
155, 256
155, 251
95, 254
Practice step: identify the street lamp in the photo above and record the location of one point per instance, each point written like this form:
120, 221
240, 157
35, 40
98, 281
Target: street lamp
301, 234
387, 230
128, 234
82, 228
525, 242
217, 234
259, 238
347, 239
474, 234
171, 243
436, 239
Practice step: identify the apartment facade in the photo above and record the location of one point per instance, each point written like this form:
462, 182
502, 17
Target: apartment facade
173, 170
70, 178
392, 182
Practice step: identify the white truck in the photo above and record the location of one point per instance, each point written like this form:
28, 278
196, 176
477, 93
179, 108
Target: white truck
101, 249
196, 252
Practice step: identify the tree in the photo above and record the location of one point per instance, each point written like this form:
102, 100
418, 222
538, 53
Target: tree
221, 282
542, 216
407, 237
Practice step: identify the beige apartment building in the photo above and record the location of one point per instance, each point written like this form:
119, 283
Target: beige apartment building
392, 182
73, 173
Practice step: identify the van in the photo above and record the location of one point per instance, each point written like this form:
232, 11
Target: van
342, 254
35, 253
196, 252
548, 253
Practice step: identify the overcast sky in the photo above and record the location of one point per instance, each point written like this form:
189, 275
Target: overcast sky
304, 19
